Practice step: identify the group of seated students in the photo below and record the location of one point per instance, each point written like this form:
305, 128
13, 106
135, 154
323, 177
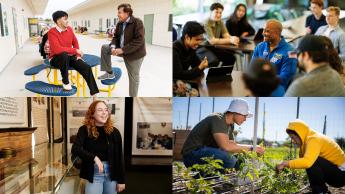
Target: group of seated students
273, 70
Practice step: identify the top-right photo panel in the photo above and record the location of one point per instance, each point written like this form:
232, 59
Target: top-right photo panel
258, 48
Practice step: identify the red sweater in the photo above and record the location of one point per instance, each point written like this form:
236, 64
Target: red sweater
62, 42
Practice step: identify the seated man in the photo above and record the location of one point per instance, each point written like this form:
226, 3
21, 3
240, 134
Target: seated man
218, 34
320, 79
65, 52
333, 31
317, 19
210, 137
321, 156
275, 49
186, 65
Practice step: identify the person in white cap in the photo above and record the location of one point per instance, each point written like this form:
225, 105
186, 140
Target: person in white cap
210, 137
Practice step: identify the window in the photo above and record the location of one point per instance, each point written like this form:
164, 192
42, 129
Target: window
108, 23
170, 23
100, 24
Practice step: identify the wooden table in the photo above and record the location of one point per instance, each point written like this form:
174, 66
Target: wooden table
235, 87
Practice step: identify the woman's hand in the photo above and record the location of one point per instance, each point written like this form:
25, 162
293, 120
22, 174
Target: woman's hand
281, 166
120, 187
99, 164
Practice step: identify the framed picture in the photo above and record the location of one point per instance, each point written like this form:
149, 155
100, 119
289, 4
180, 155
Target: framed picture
57, 125
39, 118
12, 110
152, 127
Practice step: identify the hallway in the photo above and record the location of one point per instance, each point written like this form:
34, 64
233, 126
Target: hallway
155, 73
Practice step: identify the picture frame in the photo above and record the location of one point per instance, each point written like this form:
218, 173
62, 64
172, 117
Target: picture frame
12, 110
152, 127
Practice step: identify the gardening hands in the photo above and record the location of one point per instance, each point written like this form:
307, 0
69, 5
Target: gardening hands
120, 187
259, 150
281, 166
99, 163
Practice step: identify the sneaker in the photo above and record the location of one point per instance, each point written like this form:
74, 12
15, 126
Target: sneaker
107, 75
67, 86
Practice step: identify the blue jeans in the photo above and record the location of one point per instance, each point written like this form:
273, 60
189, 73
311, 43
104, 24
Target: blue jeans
102, 183
195, 156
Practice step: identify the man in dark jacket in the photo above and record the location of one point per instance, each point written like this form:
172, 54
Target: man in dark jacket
128, 42
186, 64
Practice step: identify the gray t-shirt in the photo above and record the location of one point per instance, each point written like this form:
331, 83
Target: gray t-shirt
202, 133
322, 81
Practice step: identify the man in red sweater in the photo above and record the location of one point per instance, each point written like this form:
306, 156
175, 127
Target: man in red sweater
65, 52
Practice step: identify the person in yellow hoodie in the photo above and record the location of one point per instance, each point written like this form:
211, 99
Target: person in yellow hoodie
322, 157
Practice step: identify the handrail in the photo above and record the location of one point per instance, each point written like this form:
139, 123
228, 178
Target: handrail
58, 185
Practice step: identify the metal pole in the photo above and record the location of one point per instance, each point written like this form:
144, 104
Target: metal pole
264, 125
213, 104
188, 112
200, 112
298, 102
256, 122
325, 126
297, 116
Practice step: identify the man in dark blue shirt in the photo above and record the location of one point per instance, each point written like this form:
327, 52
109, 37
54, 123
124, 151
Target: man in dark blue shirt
317, 19
275, 49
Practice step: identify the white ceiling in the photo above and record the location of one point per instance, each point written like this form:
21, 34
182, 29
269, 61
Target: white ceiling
85, 5
37, 6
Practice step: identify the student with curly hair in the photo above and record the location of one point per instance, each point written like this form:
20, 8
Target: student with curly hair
99, 146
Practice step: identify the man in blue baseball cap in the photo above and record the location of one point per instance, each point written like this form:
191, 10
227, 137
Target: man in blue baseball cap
210, 137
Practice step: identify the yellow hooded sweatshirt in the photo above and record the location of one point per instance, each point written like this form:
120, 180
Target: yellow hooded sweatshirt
314, 145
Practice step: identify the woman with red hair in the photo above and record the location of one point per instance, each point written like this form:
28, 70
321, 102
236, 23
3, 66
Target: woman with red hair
99, 146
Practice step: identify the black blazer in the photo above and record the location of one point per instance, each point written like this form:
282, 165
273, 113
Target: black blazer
81, 149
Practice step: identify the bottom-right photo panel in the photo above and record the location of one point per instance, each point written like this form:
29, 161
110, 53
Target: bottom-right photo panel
258, 145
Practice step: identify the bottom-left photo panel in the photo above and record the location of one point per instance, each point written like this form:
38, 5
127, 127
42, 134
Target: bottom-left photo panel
85, 145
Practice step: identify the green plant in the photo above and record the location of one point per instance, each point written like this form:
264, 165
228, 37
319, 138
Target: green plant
287, 181
197, 175
263, 169
259, 170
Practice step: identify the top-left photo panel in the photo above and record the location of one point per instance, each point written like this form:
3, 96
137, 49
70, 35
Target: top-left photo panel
85, 48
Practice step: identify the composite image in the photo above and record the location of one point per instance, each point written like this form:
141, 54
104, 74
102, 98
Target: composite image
172, 97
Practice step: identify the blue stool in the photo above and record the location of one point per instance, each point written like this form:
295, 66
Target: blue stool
33, 71
91, 60
111, 82
43, 88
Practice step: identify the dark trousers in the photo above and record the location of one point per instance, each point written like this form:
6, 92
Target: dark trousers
64, 61
226, 56
322, 172
229, 161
